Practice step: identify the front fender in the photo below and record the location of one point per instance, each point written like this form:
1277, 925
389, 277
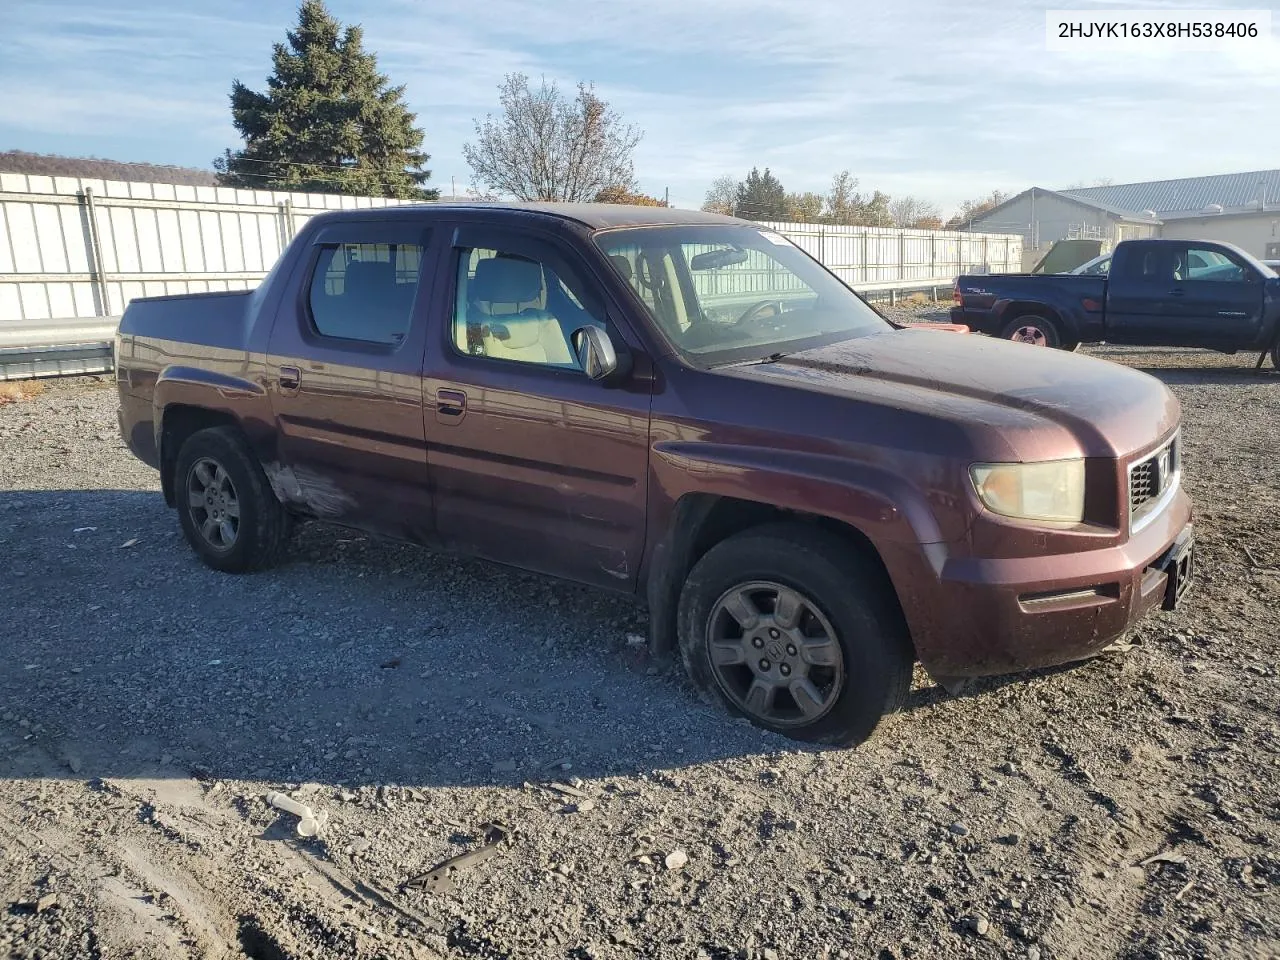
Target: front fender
688, 478
881, 504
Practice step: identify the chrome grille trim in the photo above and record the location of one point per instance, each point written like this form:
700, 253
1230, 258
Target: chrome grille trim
1154, 481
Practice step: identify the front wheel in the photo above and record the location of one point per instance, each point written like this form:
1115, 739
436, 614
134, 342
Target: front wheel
1033, 330
788, 626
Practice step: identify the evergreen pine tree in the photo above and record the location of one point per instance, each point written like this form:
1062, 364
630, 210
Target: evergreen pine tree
761, 197
328, 121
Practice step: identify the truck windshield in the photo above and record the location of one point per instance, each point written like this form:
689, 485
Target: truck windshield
727, 294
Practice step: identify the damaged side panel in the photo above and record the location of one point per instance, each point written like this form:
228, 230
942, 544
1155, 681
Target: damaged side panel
313, 492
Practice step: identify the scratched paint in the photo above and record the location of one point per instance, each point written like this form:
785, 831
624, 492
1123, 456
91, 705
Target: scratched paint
315, 491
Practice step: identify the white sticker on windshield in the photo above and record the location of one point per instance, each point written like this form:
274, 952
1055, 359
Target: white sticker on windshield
775, 238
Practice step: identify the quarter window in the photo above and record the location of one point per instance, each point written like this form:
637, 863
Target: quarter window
511, 307
365, 291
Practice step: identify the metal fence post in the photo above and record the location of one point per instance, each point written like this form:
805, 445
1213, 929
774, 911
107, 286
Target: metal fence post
863, 278
902, 256
95, 250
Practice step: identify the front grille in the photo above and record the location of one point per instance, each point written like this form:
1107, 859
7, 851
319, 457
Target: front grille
1143, 485
1151, 478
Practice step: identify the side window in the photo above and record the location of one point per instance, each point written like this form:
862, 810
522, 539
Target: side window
1146, 264
365, 291
511, 307
1213, 266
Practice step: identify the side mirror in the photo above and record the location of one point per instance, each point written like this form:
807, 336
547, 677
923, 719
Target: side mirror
596, 354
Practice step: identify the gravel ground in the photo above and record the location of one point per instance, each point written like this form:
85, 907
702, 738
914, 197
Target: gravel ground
1126, 807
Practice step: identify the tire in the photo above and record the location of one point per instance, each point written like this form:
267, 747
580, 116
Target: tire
229, 513
842, 597
1032, 329
1275, 354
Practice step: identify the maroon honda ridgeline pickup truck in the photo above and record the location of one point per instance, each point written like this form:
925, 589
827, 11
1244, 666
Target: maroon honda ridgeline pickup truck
683, 406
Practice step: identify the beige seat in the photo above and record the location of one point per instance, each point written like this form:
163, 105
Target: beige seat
507, 332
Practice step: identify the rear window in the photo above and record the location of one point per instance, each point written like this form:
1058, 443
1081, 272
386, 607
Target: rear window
365, 291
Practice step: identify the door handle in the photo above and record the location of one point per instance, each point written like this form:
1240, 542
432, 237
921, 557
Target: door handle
290, 379
450, 404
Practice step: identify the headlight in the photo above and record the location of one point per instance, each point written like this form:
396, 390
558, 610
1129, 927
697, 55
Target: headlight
1052, 491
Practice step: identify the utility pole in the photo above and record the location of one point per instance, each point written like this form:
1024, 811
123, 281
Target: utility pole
666, 197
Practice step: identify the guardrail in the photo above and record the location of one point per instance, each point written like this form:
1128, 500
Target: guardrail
75, 346
892, 288
57, 348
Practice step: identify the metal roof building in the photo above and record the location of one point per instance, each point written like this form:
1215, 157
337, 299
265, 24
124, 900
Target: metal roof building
1192, 196
1240, 208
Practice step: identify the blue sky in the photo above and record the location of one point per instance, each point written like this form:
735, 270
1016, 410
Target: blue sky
941, 100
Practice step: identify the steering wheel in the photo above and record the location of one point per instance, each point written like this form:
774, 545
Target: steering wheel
755, 313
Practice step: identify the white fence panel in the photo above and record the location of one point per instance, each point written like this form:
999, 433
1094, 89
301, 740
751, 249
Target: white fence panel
74, 247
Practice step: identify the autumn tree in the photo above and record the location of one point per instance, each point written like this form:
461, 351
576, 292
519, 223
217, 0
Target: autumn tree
910, 212
843, 202
624, 195
761, 197
804, 207
545, 146
721, 196
327, 122
970, 210
846, 206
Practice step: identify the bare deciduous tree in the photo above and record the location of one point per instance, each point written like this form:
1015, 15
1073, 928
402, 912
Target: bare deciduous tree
970, 210
722, 196
544, 146
910, 212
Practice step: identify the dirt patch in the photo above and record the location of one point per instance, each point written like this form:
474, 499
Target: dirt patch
14, 391
1126, 807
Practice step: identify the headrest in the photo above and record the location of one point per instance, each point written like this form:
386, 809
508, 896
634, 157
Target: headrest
363, 276
506, 280
623, 266
517, 332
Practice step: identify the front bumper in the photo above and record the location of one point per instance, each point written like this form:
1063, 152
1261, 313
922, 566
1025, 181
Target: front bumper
988, 617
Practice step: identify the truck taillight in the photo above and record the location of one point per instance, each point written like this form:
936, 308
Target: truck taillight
955, 296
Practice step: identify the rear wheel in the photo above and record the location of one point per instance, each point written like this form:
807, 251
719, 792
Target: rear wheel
1033, 330
228, 511
787, 626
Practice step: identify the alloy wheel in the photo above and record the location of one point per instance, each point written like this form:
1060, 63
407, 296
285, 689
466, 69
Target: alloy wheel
1030, 333
213, 503
775, 654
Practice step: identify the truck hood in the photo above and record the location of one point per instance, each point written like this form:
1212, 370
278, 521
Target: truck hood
1013, 400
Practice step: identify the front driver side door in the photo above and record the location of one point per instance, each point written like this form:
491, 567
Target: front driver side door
532, 463
1217, 299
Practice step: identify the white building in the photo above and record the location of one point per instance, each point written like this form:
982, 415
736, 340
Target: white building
1240, 208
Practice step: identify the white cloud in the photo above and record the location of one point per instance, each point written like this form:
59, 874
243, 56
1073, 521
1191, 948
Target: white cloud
940, 100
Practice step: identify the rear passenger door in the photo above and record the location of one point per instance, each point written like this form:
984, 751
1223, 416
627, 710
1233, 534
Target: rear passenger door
1139, 297
345, 369
533, 463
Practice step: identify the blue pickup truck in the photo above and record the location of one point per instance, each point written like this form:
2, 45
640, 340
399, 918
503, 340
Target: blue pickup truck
1177, 293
